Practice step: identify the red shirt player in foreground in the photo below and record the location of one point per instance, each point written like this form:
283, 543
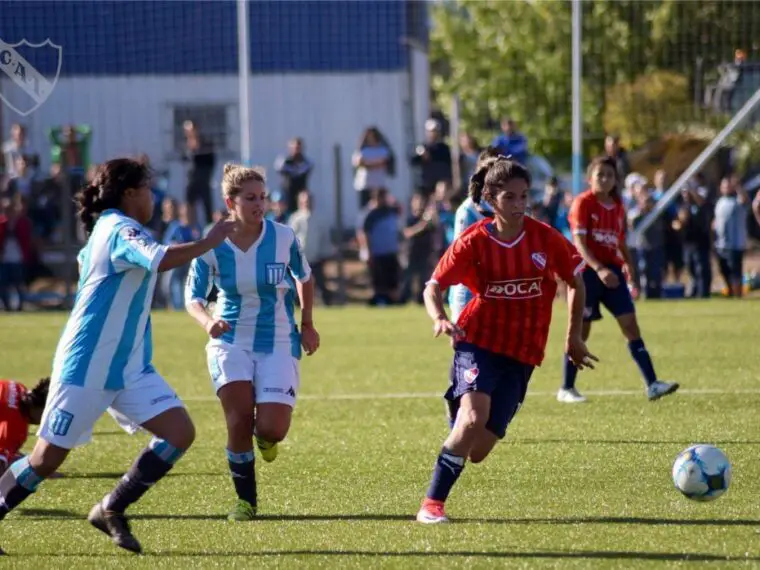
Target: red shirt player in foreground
510, 263
597, 219
19, 408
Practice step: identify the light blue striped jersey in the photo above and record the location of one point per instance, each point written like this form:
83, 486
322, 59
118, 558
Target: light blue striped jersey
107, 340
256, 289
466, 215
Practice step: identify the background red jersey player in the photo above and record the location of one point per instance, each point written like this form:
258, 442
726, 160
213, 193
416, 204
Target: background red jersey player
511, 264
19, 408
597, 220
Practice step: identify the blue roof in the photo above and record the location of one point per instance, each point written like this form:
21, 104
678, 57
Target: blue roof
101, 37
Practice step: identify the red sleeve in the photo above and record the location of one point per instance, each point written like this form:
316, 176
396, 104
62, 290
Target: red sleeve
579, 216
565, 260
456, 265
13, 428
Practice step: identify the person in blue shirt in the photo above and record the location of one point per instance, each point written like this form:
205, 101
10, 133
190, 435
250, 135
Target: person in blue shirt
511, 141
104, 357
182, 230
254, 347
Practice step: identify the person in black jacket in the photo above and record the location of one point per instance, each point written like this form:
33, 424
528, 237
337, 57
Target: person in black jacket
200, 154
694, 221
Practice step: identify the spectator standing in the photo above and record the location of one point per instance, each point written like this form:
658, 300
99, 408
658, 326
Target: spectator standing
199, 154
511, 141
673, 245
432, 159
379, 237
650, 245
16, 147
469, 151
183, 230
420, 235
373, 162
731, 233
314, 235
613, 150
16, 250
294, 170
694, 225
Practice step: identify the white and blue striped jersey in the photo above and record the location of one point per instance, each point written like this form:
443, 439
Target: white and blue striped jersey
466, 215
256, 289
107, 339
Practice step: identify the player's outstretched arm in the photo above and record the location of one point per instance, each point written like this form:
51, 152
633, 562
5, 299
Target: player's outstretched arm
575, 347
181, 254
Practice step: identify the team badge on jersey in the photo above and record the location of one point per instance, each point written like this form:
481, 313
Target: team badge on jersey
275, 273
539, 259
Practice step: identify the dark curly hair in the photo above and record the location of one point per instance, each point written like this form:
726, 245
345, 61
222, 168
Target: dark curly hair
494, 169
112, 180
36, 397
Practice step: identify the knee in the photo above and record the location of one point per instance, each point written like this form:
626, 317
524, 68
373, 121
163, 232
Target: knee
471, 421
272, 432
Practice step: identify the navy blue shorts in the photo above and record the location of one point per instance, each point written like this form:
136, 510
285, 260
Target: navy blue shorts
503, 378
618, 300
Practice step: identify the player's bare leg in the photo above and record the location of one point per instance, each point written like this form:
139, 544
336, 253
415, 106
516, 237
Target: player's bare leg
484, 444
272, 426
474, 410
173, 433
656, 389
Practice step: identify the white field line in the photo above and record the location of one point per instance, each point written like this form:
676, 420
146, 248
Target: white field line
426, 395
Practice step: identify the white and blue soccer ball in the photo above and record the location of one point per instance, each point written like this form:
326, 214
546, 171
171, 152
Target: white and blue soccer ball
702, 472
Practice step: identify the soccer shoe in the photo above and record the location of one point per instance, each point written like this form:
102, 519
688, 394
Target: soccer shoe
431, 512
267, 448
570, 396
659, 389
243, 511
116, 526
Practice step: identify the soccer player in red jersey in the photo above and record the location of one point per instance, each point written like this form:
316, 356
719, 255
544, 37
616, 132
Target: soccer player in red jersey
598, 222
19, 408
510, 263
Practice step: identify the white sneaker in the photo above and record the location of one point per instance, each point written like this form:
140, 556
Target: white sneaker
570, 396
660, 389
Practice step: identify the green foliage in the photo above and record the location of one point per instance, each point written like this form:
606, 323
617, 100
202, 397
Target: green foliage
514, 58
653, 104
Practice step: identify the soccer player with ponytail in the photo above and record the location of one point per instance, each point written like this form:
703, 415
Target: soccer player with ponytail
511, 263
103, 359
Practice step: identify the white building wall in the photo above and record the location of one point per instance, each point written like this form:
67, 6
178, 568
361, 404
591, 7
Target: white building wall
133, 114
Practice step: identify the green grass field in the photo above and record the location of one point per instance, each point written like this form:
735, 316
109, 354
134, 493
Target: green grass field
585, 486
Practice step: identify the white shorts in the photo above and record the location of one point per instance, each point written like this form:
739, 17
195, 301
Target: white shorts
275, 376
71, 411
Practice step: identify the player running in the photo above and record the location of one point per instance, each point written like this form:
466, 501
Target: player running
255, 344
598, 223
511, 264
104, 355
19, 408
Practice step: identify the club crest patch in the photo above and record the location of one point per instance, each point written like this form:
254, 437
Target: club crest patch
539, 260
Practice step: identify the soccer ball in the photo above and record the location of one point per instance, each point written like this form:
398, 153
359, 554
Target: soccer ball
702, 472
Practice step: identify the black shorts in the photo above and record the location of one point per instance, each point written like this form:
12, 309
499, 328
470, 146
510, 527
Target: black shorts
504, 379
385, 271
731, 261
